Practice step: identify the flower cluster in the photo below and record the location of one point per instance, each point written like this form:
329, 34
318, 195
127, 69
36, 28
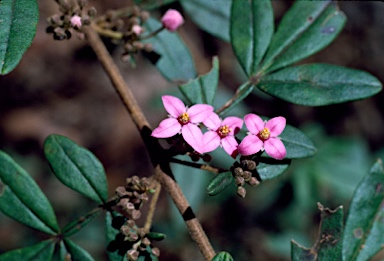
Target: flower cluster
261, 136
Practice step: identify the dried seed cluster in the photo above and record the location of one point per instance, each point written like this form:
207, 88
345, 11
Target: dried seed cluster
132, 240
243, 173
73, 15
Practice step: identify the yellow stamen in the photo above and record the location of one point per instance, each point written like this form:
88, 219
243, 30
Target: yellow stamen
264, 134
183, 118
223, 131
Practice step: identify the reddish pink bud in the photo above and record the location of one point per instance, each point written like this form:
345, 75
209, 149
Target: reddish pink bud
137, 29
172, 19
76, 21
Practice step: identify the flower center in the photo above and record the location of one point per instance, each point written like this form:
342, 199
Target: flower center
223, 131
183, 118
264, 134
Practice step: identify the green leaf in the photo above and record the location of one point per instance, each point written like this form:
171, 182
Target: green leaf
77, 253
251, 31
219, 183
300, 253
203, 88
298, 145
241, 93
112, 244
328, 244
305, 29
156, 236
76, 167
272, 170
41, 251
320, 84
175, 62
364, 229
18, 21
222, 256
22, 199
210, 16
76, 225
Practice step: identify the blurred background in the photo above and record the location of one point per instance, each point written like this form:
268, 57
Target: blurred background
59, 87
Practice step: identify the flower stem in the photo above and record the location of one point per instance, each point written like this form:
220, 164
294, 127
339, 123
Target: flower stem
214, 170
152, 207
196, 231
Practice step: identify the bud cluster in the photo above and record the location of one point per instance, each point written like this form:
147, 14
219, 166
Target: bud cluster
243, 173
72, 17
133, 240
180, 147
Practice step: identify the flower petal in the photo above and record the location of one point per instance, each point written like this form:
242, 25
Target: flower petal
167, 128
275, 148
174, 106
276, 126
254, 123
193, 136
199, 112
251, 144
230, 145
213, 122
211, 141
234, 123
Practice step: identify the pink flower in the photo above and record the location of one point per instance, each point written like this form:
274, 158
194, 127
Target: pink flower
137, 29
172, 19
76, 21
184, 120
263, 135
222, 133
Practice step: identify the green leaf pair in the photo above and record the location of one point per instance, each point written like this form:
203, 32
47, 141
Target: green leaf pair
305, 29
22, 199
362, 236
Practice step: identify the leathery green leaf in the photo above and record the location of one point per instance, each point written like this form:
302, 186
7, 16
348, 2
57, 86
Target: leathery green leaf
320, 84
203, 88
364, 228
251, 31
222, 256
272, 168
210, 16
219, 183
175, 62
18, 21
77, 253
22, 199
329, 242
298, 145
305, 29
76, 167
41, 251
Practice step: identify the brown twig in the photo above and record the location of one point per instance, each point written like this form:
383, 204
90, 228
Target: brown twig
152, 207
194, 227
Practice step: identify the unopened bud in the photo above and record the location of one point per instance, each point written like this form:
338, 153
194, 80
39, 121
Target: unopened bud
144, 16
145, 182
125, 230
241, 192
131, 223
132, 237
239, 181
136, 214
172, 20
206, 157
82, 3
247, 175
120, 191
253, 182
132, 255
156, 251
238, 172
92, 11
145, 241
76, 22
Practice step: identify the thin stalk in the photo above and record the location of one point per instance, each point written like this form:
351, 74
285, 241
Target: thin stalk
196, 231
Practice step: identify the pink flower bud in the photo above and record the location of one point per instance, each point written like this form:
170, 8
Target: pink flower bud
137, 29
172, 19
76, 21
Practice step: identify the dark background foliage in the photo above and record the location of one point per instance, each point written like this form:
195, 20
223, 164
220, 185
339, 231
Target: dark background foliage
59, 87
